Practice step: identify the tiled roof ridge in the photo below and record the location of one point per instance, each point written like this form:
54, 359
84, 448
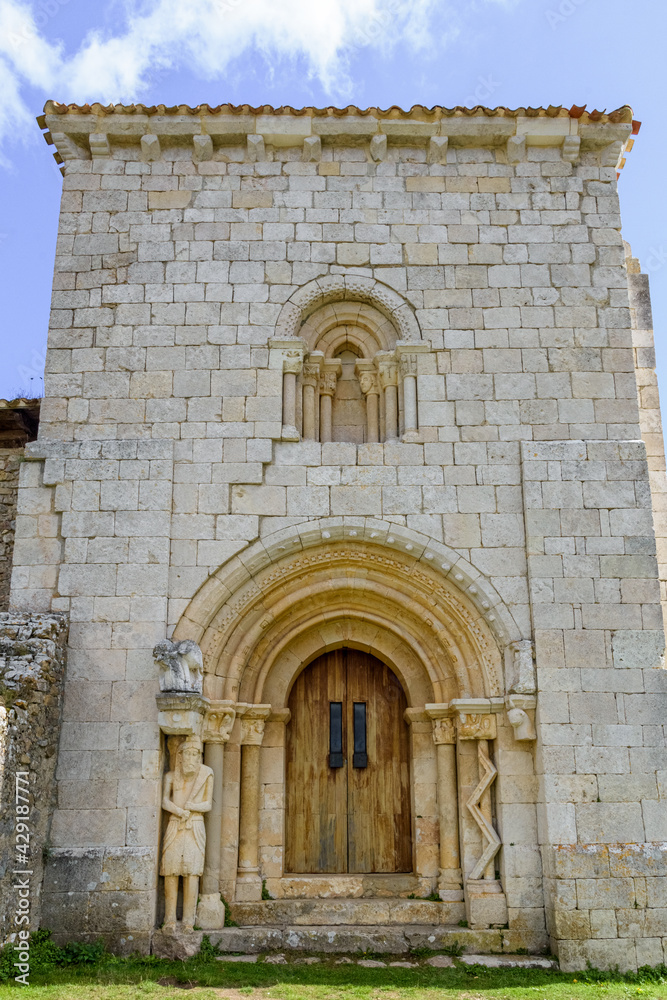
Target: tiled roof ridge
19, 403
623, 114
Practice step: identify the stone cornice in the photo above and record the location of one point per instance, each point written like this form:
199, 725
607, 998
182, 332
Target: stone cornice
79, 131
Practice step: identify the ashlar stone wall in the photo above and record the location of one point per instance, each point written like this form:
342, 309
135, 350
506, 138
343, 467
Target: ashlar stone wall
193, 248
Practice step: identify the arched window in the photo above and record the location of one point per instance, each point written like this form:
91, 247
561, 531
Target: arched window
350, 375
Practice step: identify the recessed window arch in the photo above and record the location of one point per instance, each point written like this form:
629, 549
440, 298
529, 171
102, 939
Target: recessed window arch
352, 389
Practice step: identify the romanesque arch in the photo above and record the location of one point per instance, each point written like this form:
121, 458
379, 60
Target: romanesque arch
350, 347
415, 606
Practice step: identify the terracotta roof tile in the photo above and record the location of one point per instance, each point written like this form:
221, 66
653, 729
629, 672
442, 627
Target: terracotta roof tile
620, 115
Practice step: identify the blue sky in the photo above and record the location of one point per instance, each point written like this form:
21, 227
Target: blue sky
603, 53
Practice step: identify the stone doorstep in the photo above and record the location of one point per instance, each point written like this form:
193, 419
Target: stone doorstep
390, 939
436, 961
477, 946
356, 912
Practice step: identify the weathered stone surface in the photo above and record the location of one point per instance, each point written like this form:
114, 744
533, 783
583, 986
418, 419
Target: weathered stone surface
32, 667
383, 382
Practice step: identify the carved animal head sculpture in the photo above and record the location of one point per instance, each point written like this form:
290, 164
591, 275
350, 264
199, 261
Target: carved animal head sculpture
181, 666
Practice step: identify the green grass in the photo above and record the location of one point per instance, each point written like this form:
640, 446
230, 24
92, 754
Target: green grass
125, 979
76, 972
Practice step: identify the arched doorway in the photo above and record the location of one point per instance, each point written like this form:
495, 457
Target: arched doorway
347, 763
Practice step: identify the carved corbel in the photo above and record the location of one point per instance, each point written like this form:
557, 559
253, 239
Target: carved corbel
518, 709
181, 714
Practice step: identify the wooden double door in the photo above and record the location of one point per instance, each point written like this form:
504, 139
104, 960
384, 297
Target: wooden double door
348, 769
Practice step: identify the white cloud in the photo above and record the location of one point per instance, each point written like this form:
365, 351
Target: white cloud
204, 36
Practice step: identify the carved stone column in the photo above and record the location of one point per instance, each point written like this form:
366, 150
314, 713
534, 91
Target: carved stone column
486, 904
217, 726
444, 737
291, 368
330, 373
370, 386
408, 369
388, 373
248, 882
310, 382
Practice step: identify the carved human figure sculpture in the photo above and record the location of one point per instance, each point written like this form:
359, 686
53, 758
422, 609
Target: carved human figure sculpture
187, 795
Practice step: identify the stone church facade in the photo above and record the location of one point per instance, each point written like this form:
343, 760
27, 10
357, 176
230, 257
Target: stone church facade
350, 477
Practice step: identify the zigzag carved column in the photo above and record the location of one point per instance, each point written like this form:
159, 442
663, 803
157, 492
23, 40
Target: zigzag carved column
484, 897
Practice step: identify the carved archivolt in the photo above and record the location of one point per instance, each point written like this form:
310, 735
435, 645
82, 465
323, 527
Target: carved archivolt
334, 290
267, 613
354, 344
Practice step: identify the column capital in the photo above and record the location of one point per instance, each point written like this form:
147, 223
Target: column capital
285, 349
253, 721
368, 382
331, 371
292, 363
388, 373
444, 731
218, 721
312, 368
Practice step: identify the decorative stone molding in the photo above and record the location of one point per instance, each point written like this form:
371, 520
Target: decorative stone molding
521, 668
181, 665
354, 288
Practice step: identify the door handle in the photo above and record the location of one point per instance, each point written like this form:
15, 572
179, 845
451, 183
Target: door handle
336, 734
360, 756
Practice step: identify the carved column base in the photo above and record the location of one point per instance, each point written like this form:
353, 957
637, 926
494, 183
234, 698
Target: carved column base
210, 912
290, 433
450, 885
411, 437
486, 905
249, 886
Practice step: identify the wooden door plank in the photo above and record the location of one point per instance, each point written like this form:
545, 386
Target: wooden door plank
379, 827
316, 800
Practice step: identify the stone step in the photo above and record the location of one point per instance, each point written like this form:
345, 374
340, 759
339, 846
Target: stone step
390, 940
358, 912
